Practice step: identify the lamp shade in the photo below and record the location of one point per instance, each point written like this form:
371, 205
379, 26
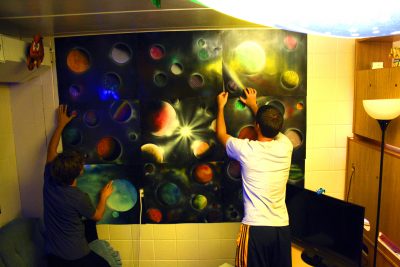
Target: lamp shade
382, 109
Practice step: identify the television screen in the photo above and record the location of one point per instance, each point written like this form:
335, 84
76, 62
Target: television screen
330, 230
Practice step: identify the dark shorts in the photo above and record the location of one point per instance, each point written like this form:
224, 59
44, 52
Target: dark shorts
263, 246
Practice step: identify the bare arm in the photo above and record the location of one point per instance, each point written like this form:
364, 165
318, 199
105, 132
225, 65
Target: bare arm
251, 99
101, 206
62, 120
222, 135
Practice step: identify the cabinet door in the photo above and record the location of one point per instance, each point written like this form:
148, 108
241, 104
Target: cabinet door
376, 84
363, 187
362, 183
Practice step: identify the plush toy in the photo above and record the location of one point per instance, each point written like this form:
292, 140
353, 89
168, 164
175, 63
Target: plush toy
35, 53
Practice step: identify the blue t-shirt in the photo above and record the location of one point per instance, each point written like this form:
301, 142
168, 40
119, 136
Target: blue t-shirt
64, 207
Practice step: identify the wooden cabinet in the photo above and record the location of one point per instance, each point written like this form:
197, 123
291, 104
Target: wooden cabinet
362, 188
375, 84
363, 151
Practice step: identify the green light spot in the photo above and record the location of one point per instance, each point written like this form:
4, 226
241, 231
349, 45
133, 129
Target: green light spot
239, 105
203, 54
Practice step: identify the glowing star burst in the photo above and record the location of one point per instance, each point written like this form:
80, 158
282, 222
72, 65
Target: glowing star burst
185, 131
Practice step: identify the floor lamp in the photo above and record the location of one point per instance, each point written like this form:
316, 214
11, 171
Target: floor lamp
384, 111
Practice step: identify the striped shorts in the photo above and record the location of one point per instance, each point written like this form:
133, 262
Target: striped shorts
263, 246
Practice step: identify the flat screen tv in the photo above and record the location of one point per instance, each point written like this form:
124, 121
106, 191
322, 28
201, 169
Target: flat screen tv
330, 230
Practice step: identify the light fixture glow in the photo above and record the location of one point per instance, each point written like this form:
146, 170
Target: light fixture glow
382, 109
340, 18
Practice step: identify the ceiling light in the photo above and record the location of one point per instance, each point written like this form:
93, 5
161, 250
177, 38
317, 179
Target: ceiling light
340, 18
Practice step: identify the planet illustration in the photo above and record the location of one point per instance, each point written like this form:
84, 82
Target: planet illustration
72, 136
149, 168
300, 106
290, 79
108, 148
295, 136
123, 197
152, 153
133, 136
203, 173
233, 170
111, 82
154, 215
248, 132
157, 51
290, 42
249, 58
201, 42
200, 148
121, 111
196, 80
199, 202
214, 215
203, 54
74, 91
160, 79
78, 60
91, 118
278, 105
169, 194
162, 119
176, 68
232, 214
121, 53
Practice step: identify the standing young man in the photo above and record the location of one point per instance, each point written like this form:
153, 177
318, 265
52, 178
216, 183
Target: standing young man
65, 205
264, 238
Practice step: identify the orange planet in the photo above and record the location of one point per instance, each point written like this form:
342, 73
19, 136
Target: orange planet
78, 60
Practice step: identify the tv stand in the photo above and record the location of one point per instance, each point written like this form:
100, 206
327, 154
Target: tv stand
312, 259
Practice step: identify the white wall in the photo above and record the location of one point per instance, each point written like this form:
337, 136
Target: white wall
329, 112
33, 107
10, 203
329, 120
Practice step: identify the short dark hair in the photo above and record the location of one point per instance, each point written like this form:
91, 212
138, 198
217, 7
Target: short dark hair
270, 120
66, 167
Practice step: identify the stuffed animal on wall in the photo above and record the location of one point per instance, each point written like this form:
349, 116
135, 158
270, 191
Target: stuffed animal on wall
35, 53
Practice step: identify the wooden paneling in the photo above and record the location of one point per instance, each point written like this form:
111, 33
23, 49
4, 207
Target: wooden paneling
362, 183
372, 51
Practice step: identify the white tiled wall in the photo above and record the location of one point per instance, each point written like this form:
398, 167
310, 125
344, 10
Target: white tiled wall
329, 112
176, 245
